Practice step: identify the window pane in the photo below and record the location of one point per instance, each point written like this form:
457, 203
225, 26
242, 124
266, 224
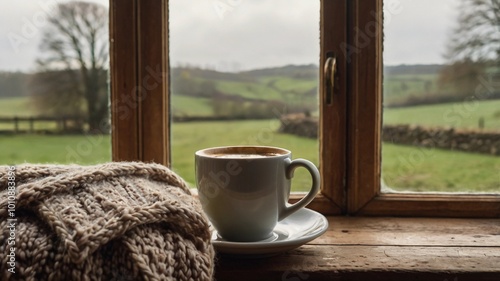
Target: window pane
54, 105
237, 67
441, 121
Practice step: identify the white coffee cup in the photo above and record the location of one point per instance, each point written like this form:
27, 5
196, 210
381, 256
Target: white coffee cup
244, 190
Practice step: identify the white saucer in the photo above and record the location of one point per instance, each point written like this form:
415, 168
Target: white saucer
297, 229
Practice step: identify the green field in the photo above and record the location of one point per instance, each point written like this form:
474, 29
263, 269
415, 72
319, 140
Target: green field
191, 106
79, 149
243, 94
397, 88
15, 107
190, 137
457, 115
21, 107
404, 168
289, 84
407, 168
248, 90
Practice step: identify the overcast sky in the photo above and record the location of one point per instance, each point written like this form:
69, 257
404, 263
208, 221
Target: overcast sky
245, 34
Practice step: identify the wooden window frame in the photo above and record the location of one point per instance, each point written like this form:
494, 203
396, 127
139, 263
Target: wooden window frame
141, 108
365, 121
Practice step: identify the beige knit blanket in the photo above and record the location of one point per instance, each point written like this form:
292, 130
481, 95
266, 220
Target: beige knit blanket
115, 221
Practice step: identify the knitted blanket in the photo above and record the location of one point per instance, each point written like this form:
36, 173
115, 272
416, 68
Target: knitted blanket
116, 221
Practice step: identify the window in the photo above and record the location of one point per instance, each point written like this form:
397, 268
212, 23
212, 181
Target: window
350, 125
248, 74
365, 195
50, 113
439, 126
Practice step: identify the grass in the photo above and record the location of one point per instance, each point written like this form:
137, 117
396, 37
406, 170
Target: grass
85, 150
436, 170
15, 107
408, 168
191, 106
404, 168
248, 90
21, 107
190, 137
290, 84
457, 115
399, 87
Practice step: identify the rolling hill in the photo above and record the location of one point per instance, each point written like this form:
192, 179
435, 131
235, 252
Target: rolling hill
198, 92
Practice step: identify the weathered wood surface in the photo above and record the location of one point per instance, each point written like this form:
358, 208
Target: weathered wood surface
411, 232
383, 249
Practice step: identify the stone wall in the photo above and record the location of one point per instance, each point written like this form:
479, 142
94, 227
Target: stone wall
300, 125
476, 141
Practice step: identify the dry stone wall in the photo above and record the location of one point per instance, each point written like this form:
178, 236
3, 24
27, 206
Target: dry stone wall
476, 141
300, 125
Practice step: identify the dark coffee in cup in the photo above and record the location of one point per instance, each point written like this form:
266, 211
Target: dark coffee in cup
243, 155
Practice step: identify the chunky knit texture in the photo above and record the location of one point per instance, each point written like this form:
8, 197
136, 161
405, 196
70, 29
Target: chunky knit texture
115, 221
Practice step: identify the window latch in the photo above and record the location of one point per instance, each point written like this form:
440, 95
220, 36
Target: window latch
329, 72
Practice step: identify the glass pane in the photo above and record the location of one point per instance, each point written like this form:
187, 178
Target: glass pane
441, 120
54, 105
237, 68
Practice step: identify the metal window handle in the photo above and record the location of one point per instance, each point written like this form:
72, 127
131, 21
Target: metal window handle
329, 78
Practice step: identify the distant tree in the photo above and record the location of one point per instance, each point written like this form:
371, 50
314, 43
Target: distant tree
54, 93
477, 34
473, 46
72, 76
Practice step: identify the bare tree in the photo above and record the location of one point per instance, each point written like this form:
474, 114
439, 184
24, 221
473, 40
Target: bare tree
477, 34
74, 62
473, 47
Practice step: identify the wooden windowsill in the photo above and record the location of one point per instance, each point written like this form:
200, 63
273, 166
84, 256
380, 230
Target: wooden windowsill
384, 248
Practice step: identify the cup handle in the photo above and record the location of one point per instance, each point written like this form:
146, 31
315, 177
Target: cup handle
292, 165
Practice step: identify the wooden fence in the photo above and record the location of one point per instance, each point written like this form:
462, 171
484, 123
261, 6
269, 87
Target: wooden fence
28, 124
